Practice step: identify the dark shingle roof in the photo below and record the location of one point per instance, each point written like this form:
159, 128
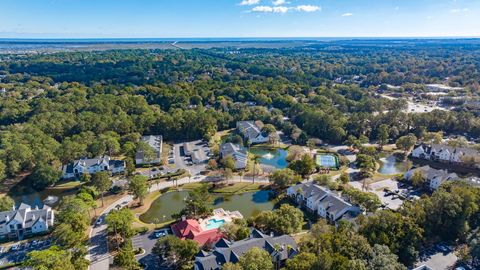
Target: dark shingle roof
280, 247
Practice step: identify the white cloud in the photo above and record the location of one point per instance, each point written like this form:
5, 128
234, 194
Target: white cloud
279, 2
458, 10
268, 9
284, 9
308, 8
347, 14
249, 2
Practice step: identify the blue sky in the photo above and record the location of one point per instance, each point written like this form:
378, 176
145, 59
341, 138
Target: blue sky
238, 18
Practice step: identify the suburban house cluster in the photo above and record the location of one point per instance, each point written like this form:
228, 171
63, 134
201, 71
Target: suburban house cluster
91, 166
155, 142
433, 178
25, 221
321, 201
237, 152
446, 153
252, 132
280, 249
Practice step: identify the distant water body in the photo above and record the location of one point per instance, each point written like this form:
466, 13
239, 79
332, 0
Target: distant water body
233, 39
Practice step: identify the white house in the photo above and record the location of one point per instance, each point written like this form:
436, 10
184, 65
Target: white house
434, 178
323, 202
237, 152
25, 221
155, 142
446, 153
252, 132
91, 166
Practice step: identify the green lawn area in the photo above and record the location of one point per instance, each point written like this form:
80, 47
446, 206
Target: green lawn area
233, 188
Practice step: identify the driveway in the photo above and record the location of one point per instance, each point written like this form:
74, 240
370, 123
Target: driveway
147, 242
436, 259
98, 249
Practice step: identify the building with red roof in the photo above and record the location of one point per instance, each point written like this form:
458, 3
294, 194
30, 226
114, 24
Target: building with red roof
191, 229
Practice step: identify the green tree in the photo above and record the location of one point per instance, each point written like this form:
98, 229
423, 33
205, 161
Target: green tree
303, 261
236, 230
149, 154
102, 182
406, 143
44, 175
197, 204
231, 266
6, 203
119, 222
474, 246
284, 178
382, 134
285, 220
125, 258
179, 253
228, 163
418, 180
401, 235
67, 236
53, 258
344, 178
256, 259
3, 170
383, 258
304, 166
139, 187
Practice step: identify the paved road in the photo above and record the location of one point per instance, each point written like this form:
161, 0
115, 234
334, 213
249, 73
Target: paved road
98, 250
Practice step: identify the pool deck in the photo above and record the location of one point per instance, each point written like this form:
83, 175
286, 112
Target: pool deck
220, 214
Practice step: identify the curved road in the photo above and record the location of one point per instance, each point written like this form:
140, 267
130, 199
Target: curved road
98, 250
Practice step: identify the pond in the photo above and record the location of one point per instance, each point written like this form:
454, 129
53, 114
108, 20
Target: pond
24, 193
391, 165
249, 204
276, 158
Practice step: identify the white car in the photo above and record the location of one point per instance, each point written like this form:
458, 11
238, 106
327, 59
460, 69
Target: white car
99, 222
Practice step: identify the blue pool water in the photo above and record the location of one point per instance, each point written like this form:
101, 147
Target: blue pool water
215, 223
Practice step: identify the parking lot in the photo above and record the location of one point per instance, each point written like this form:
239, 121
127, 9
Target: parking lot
390, 192
183, 161
147, 242
17, 252
438, 257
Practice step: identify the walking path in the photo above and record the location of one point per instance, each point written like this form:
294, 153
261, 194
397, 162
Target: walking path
98, 250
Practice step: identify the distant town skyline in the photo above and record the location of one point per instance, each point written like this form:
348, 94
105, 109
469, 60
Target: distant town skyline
238, 18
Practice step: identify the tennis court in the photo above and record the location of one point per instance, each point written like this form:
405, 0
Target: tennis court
327, 161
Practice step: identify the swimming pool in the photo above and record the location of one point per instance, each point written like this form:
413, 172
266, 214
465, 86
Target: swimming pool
214, 223
327, 161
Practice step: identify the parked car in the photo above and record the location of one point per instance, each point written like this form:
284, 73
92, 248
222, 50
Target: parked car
99, 221
159, 234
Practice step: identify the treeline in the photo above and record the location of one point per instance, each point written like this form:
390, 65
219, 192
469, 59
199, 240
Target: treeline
63, 106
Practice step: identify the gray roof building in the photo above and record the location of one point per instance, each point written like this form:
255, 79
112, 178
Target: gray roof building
24, 221
155, 142
237, 152
280, 249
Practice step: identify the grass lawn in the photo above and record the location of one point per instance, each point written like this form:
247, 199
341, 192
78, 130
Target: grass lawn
232, 188
221, 135
65, 185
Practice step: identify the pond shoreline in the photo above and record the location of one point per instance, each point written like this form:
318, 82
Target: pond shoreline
260, 197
